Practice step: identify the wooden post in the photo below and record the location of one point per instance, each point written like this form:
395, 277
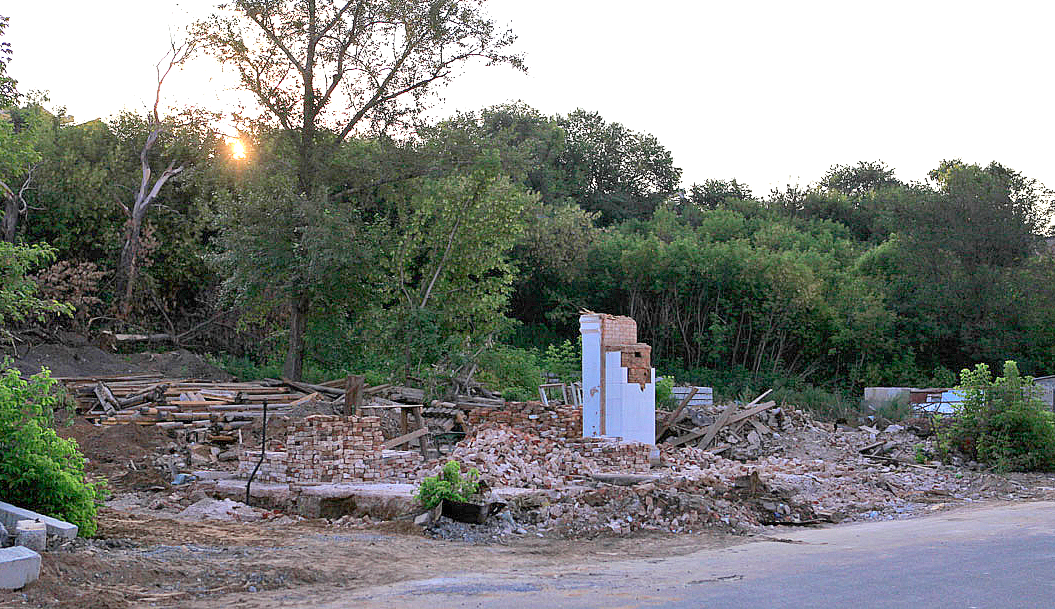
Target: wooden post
353, 394
423, 440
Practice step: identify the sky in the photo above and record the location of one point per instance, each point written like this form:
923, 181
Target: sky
771, 93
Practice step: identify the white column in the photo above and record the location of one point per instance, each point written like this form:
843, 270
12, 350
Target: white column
590, 327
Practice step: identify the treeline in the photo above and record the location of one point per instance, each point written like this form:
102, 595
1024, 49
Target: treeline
409, 250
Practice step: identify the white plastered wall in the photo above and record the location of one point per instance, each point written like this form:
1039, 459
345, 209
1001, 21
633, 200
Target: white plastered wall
629, 409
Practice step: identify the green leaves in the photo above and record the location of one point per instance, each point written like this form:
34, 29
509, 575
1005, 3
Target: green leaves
1002, 422
448, 485
39, 470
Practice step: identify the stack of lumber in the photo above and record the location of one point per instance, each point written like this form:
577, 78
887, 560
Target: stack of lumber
179, 403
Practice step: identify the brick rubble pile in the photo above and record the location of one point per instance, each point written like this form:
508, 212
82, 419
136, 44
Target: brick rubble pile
554, 422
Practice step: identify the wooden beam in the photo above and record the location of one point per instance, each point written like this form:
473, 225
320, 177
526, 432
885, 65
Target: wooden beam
670, 420
740, 416
405, 438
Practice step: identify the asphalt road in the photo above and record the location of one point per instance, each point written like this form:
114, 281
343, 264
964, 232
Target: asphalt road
989, 557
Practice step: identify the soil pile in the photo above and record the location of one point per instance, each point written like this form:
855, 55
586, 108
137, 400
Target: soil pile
178, 364
66, 360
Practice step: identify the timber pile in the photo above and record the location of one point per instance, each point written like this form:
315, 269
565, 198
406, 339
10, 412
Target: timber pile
743, 431
215, 409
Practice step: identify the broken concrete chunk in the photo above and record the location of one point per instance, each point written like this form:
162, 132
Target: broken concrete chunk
31, 534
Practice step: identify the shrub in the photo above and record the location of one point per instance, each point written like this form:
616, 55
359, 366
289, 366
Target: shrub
449, 485
512, 372
39, 470
665, 394
564, 360
1002, 422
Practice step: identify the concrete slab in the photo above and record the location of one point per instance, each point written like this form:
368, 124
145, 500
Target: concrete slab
261, 494
383, 501
18, 567
10, 515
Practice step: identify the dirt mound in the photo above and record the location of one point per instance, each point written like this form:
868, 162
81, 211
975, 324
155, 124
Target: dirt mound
178, 364
109, 448
63, 360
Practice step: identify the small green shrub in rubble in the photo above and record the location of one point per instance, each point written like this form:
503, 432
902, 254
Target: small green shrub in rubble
449, 485
39, 470
1001, 422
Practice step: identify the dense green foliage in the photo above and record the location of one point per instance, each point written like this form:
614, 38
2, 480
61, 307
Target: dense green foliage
39, 470
469, 246
1002, 422
449, 484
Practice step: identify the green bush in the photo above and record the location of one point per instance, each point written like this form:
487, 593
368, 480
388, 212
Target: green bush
665, 394
513, 372
1001, 422
449, 485
39, 470
564, 360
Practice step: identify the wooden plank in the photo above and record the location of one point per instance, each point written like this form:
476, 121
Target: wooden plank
309, 388
670, 420
304, 400
405, 438
740, 416
409, 406
106, 398
726, 418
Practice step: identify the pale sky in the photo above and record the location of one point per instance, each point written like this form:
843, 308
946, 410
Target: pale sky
768, 92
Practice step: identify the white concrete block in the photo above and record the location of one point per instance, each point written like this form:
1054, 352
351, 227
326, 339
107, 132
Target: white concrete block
31, 534
18, 567
10, 515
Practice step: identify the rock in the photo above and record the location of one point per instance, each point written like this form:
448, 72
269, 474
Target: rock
200, 454
894, 429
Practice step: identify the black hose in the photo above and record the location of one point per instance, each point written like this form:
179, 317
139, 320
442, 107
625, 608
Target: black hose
263, 447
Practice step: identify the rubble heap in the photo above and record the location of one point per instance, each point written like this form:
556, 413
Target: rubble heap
523, 459
552, 422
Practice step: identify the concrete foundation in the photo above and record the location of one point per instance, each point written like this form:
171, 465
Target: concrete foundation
18, 567
10, 515
384, 501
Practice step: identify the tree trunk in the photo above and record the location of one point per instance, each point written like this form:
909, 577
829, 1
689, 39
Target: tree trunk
298, 313
129, 268
11, 209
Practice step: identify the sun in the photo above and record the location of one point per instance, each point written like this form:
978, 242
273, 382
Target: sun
237, 149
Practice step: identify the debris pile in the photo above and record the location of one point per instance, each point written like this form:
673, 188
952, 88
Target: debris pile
557, 421
743, 433
518, 458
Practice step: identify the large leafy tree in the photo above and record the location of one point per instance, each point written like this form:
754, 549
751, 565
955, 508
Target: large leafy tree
613, 170
8, 92
326, 69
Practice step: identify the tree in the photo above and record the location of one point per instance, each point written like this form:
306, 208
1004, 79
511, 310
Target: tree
448, 269
325, 69
16, 153
146, 194
855, 180
713, 193
8, 92
615, 171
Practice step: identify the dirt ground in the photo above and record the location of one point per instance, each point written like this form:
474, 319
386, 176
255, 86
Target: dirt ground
137, 561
